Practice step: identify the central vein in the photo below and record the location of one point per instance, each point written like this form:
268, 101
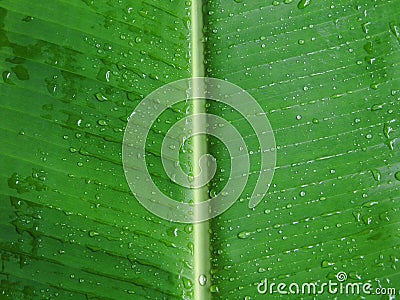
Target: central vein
200, 230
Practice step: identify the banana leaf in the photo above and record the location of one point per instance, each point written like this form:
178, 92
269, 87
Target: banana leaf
325, 73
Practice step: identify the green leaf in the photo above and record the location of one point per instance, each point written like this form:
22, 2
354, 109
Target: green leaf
325, 73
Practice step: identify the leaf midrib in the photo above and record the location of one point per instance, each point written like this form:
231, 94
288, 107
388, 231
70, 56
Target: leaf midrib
201, 257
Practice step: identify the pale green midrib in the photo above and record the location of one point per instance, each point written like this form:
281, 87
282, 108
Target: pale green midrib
200, 230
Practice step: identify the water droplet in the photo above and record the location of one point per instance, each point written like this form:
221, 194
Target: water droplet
190, 246
376, 107
300, 42
101, 97
153, 76
315, 121
390, 144
93, 233
27, 19
202, 279
326, 264
138, 39
368, 47
370, 203
188, 228
298, 117
303, 4
353, 275
374, 86
7, 77
244, 234
376, 174
370, 60
108, 76
387, 129
364, 27
395, 29
397, 175
102, 122
187, 283
214, 289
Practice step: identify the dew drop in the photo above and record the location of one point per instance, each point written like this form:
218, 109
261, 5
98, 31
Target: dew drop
376, 174
395, 29
244, 234
214, 289
188, 228
377, 106
187, 283
390, 144
7, 77
326, 264
101, 97
93, 233
387, 129
364, 27
303, 4
202, 279
102, 122
27, 19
